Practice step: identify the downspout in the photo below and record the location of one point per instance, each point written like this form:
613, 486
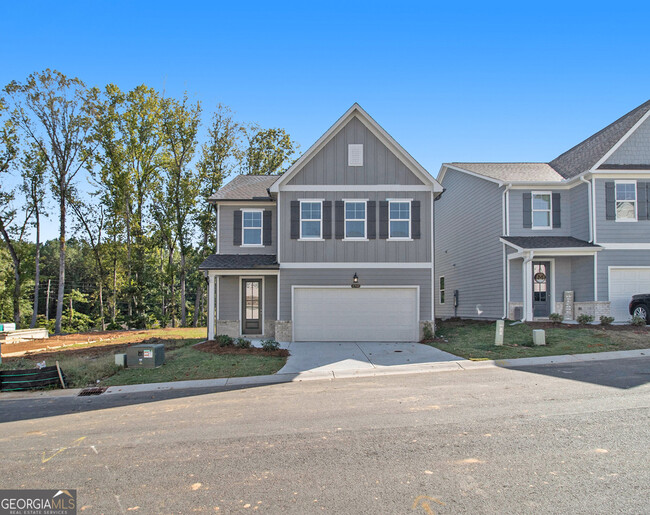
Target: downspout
506, 210
527, 297
506, 230
591, 213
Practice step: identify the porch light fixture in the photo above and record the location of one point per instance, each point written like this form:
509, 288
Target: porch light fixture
355, 281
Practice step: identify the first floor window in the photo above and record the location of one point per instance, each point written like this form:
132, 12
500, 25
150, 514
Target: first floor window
252, 227
355, 219
626, 201
311, 220
399, 219
442, 289
541, 210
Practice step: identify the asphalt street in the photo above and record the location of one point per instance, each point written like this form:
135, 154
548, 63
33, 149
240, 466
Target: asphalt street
571, 438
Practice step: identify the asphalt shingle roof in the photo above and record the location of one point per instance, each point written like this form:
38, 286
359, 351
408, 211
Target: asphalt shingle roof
246, 187
518, 172
548, 242
240, 262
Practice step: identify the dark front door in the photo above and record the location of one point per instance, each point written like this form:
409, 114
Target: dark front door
541, 296
251, 306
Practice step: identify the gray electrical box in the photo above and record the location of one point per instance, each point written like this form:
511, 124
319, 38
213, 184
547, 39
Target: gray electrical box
145, 355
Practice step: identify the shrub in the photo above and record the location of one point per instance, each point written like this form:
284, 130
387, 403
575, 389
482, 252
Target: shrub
638, 321
225, 341
242, 343
584, 319
605, 320
270, 345
556, 318
427, 331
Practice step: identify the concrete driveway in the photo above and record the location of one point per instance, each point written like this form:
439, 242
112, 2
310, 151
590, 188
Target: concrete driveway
359, 356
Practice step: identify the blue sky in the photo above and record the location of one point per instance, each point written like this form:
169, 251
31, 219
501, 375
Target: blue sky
463, 81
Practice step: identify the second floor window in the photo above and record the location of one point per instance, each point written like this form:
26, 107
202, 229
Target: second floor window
399, 219
311, 220
626, 201
355, 220
541, 210
252, 227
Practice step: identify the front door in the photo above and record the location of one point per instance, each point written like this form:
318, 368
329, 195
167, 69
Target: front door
541, 294
251, 306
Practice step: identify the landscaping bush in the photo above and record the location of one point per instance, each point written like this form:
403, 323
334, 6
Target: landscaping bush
427, 332
270, 345
556, 318
225, 341
638, 321
242, 343
605, 320
584, 319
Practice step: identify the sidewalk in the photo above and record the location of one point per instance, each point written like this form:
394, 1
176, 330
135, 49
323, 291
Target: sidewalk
420, 368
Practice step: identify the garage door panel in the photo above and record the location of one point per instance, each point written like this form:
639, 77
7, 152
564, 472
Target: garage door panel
363, 314
623, 283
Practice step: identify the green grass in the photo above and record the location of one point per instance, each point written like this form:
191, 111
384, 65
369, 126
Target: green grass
475, 340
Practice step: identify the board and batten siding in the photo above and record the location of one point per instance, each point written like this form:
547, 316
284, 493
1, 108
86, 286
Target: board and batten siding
607, 258
611, 231
468, 251
229, 296
517, 215
330, 164
635, 149
226, 226
367, 277
579, 198
341, 251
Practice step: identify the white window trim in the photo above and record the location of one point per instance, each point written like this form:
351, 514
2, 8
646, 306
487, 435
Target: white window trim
441, 291
320, 236
346, 220
261, 244
402, 201
636, 202
550, 211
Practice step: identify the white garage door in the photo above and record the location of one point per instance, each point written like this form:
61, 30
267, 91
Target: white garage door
623, 283
355, 314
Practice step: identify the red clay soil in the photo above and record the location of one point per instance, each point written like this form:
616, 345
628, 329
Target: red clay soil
213, 348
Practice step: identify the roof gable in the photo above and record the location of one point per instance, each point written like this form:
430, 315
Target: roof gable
246, 187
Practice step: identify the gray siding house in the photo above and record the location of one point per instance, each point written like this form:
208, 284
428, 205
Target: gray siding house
338, 248
572, 236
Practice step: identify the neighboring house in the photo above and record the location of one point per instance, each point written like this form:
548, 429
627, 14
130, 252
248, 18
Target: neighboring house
338, 248
524, 240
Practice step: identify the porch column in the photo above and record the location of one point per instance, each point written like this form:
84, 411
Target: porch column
528, 288
211, 313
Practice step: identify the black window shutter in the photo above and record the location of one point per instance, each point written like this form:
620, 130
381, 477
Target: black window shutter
295, 219
528, 210
339, 219
642, 200
383, 219
236, 230
268, 227
372, 219
327, 219
415, 219
557, 214
610, 201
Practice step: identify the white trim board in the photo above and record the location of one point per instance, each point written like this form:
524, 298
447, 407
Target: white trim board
625, 246
354, 187
423, 265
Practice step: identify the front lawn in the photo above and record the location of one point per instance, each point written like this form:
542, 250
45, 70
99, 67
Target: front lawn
473, 339
94, 364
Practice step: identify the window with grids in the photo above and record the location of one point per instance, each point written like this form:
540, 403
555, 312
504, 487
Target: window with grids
311, 220
399, 219
626, 201
442, 289
252, 227
540, 283
355, 220
542, 211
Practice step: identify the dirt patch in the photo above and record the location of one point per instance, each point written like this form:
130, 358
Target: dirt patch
214, 348
99, 338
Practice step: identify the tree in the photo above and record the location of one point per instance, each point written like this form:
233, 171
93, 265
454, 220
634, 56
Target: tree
34, 166
268, 151
56, 114
180, 122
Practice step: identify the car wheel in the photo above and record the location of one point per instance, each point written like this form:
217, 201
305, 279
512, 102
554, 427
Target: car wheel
641, 311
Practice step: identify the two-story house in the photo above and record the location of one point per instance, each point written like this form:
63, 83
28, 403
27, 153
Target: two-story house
572, 236
338, 248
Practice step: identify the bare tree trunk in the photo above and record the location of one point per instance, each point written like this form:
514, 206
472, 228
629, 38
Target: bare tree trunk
47, 301
16, 262
37, 274
101, 306
183, 306
163, 306
59, 299
114, 307
172, 293
128, 256
197, 304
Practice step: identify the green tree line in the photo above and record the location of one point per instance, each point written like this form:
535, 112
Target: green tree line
127, 175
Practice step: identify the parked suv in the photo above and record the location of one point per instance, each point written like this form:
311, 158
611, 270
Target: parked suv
640, 306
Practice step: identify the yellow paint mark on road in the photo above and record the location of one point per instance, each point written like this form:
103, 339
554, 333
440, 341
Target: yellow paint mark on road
468, 460
196, 486
423, 501
74, 444
601, 451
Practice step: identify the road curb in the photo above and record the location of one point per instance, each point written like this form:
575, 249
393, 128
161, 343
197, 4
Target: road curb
329, 375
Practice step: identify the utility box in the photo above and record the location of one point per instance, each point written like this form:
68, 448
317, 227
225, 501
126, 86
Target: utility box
498, 337
145, 355
120, 360
539, 337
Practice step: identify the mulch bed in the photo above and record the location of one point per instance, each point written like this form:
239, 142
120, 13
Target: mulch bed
214, 348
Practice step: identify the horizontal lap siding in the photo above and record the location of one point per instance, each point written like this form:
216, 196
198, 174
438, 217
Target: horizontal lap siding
582, 278
607, 258
229, 297
270, 297
468, 251
579, 197
516, 280
611, 231
226, 226
367, 277
517, 215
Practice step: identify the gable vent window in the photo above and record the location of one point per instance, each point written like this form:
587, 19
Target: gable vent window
355, 154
